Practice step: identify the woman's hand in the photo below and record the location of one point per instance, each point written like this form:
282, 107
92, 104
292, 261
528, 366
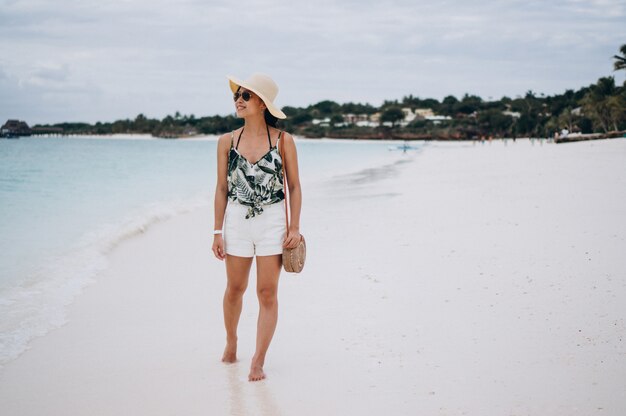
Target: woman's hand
292, 239
218, 247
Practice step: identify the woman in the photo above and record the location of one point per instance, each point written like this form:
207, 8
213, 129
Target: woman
250, 212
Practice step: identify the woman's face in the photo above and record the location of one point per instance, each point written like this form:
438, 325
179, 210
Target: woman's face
251, 107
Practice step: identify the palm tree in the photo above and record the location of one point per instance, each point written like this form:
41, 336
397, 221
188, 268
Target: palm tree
620, 61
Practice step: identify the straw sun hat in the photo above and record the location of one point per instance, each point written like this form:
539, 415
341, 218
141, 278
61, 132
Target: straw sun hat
263, 86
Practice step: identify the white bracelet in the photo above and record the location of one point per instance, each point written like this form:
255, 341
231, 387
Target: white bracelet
215, 232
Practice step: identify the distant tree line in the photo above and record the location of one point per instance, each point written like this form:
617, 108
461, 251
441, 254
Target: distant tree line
170, 126
597, 108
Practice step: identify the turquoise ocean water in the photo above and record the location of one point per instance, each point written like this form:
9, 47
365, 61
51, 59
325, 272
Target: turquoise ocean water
65, 202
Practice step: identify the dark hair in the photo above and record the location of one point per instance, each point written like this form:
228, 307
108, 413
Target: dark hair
270, 119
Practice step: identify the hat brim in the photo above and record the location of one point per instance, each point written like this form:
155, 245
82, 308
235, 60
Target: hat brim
236, 83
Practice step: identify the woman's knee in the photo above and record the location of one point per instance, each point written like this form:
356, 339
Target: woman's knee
267, 295
235, 291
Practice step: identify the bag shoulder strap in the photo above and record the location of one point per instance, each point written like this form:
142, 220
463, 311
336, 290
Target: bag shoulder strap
281, 151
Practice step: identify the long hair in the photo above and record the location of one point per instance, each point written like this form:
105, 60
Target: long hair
270, 119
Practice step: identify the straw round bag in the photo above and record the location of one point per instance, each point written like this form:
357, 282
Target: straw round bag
293, 258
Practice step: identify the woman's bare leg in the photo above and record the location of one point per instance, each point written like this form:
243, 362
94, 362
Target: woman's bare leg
268, 270
237, 272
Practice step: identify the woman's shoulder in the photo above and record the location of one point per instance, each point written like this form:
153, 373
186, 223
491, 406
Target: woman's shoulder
225, 139
286, 136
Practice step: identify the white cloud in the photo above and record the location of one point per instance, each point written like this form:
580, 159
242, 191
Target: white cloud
600, 8
92, 60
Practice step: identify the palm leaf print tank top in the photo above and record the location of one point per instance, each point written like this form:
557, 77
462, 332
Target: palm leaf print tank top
255, 184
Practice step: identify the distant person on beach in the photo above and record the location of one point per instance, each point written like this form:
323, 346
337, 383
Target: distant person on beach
250, 210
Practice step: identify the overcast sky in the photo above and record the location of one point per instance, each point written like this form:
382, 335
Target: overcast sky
87, 60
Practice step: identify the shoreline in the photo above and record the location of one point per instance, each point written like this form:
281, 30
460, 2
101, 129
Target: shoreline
72, 271
374, 137
78, 266
481, 284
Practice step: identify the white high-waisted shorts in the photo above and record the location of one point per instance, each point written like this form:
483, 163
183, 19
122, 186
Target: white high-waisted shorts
261, 235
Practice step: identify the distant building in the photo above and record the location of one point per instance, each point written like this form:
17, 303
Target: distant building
366, 123
421, 114
424, 112
409, 115
360, 120
437, 119
514, 114
321, 122
354, 118
14, 128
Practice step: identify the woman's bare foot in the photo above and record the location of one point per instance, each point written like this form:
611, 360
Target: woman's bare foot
256, 370
230, 352
256, 373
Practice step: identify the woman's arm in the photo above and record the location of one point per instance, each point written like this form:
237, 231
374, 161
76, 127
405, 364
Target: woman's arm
221, 193
295, 191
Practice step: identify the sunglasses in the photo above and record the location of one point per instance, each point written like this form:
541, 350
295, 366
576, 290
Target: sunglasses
245, 95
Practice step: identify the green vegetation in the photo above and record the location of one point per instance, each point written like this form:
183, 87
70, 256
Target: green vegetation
598, 108
620, 61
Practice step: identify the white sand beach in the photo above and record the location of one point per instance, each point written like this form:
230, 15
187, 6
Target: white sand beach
474, 279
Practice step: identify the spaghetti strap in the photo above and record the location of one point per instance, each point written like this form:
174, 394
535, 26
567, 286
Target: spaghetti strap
269, 139
239, 138
280, 133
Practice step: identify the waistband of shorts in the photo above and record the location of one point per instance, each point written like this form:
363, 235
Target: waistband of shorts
264, 206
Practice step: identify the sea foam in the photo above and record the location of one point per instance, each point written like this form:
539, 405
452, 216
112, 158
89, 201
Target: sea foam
38, 305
